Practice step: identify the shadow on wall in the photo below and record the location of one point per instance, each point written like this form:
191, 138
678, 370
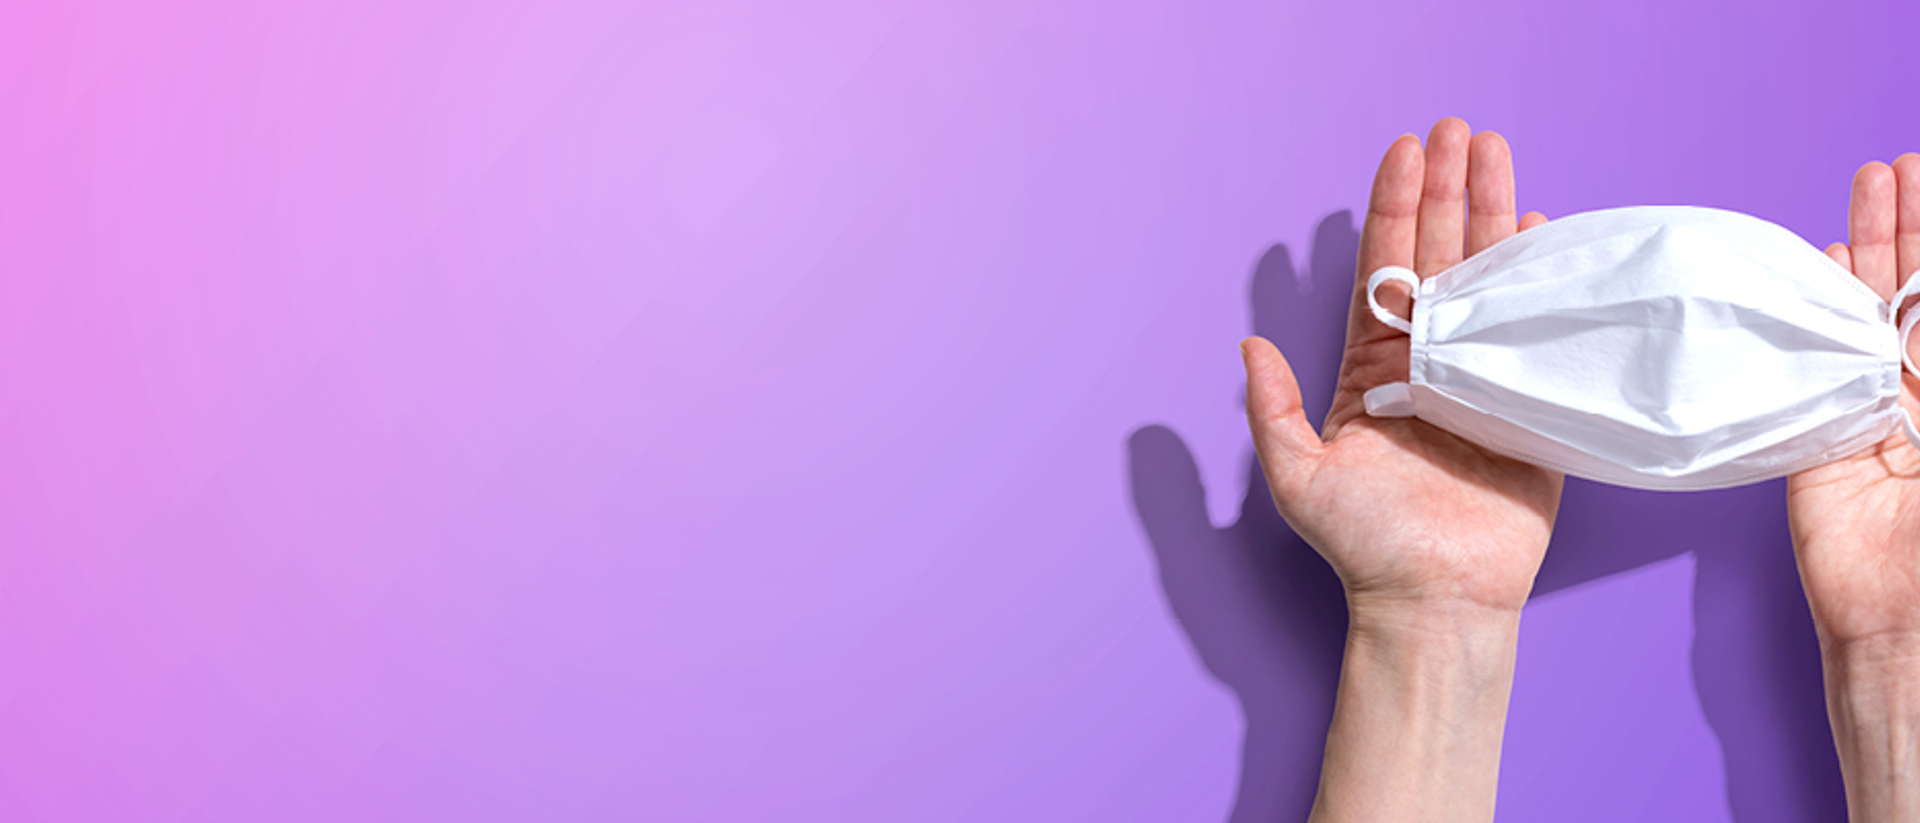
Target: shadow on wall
1268, 618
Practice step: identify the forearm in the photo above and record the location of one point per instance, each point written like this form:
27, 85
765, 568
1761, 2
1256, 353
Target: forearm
1418, 717
1873, 702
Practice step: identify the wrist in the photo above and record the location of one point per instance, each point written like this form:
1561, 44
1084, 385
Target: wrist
1450, 662
1873, 682
1421, 708
1871, 653
1873, 703
1431, 620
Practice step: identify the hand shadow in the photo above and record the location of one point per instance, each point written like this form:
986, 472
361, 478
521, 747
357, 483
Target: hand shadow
1268, 618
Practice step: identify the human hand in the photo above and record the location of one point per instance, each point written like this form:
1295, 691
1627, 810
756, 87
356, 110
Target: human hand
1408, 515
1856, 521
1435, 540
1856, 535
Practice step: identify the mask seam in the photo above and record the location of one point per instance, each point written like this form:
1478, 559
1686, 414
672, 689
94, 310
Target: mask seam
1529, 456
1418, 337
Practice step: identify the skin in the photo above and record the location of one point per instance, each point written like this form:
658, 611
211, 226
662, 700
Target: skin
1436, 541
1856, 535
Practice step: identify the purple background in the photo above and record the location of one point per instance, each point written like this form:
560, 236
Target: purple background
750, 411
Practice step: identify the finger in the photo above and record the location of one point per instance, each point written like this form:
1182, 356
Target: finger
1387, 237
1393, 208
1906, 243
1282, 436
1841, 255
1870, 228
1443, 196
1532, 219
1167, 493
1490, 210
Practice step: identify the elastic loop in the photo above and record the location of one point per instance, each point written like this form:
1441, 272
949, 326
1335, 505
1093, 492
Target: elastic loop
1911, 288
1389, 400
1907, 324
1402, 274
1906, 330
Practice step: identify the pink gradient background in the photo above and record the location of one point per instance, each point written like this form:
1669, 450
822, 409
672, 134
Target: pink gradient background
716, 411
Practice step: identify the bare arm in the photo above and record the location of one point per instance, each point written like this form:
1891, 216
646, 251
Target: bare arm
1856, 533
1873, 701
1417, 726
1436, 541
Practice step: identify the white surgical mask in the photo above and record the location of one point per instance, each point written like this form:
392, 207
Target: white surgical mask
1658, 347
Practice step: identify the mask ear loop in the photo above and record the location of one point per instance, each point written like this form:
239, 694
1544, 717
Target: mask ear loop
1907, 325
1396, 399
1404, 275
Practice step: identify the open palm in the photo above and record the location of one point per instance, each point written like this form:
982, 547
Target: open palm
1856, 521
1404, 511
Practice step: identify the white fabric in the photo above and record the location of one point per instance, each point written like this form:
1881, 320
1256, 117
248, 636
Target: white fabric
1659, 347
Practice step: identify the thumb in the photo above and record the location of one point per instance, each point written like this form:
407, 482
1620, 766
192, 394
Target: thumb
1282, 436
